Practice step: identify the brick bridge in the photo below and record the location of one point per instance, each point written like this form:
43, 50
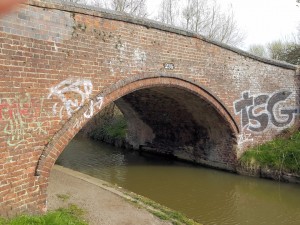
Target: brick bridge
181, 93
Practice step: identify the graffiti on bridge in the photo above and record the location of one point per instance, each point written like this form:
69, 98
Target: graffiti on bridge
23, 117
16, 114
258, 112
73, 94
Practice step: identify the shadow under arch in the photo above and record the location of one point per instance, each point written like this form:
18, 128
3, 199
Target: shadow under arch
122, 88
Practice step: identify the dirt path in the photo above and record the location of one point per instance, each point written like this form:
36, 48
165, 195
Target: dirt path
103, 204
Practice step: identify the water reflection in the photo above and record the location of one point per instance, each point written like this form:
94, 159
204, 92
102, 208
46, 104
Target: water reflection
208, 196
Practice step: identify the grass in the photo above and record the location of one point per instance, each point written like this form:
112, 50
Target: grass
63, 216
162, 212
63, 197
282, 154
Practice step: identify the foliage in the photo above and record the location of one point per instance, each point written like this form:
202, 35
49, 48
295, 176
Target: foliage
163, 212
278, 50
116, 129
63, 216
292, 54
108, 126
258, 50
283, 154
283, 50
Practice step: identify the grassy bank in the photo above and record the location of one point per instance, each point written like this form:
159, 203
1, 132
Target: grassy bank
63, 216
160, 211
282, 154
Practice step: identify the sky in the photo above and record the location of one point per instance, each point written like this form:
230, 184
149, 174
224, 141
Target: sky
261, 20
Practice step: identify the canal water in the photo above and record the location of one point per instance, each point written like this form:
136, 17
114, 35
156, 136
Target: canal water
206, 195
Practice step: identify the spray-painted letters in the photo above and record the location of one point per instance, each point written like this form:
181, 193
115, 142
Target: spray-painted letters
17, 113
73, 95
258, 112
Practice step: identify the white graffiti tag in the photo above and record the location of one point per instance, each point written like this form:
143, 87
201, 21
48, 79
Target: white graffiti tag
244, 137
98, 104
73, 93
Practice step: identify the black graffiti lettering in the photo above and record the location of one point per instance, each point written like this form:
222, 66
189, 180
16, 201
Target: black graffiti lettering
261, 99
262, 119
241, 106
276, 98
256, 113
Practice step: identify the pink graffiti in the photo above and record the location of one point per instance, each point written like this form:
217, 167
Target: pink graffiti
17, 114
9, 109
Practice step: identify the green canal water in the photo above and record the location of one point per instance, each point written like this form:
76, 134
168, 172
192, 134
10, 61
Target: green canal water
208, 196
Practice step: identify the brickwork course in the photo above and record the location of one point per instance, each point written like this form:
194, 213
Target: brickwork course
60, 64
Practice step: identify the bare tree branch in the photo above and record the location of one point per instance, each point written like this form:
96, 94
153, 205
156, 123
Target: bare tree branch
206, 17
133, 7
168, 12
258, 50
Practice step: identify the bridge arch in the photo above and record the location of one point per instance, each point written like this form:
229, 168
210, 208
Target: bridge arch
71, 40
114, 94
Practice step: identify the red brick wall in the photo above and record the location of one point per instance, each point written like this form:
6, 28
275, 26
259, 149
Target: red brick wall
60, 65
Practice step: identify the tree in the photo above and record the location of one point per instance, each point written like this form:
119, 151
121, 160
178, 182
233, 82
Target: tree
195, 15
168, 12
292, 54
133, 7
258, 50
284, 51
276, 49
207, 18
204, 17
288, 51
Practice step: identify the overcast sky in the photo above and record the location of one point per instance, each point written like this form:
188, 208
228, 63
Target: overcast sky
262, 20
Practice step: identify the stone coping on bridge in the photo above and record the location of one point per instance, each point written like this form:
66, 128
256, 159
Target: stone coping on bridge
113, 15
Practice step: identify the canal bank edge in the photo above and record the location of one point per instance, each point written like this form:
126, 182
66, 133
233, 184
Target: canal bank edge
276, 160
162, 212
268, 173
